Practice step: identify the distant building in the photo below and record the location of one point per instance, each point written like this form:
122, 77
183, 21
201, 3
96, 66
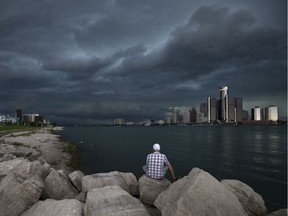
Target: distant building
235, 109
175, 116
33, 119
180, 119
2, 118
211, 109
39, 119
193, 118
19, 115
119, 121
239, 109
256, 114
29, 118
201, 118
231, 109
11, 120
204, 109
245, 115
224, 104
271, 113
168, 120
187, 117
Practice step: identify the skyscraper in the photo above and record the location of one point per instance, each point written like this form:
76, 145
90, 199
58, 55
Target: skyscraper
231, 109
256, 114
239, 109
211, 109
187, 117
224, 104
175, 116
235, 109
203, 109
271, 113
193, 115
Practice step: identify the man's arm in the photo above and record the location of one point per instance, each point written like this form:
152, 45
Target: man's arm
170, 168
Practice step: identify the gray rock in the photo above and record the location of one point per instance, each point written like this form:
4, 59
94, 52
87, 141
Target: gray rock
152, 210
24, 167
132, 182
76, 179
6, 157
38, 168
150, 188
280, 212
251, 201
81, 197
112, 200
58, 187
49, 207
17, 193
18, 150
198, 194
15, 165
106, 179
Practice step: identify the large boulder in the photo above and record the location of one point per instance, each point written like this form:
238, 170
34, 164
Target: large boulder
10, 166
38, 168
19, 150
17, 193
49, 207
113, 200
150, 188
76, 179
24, 167
132, 182
251, 201
280, 212
198, 194
58, 186
112, 178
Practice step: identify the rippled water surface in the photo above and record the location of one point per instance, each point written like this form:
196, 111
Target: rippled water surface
256, 155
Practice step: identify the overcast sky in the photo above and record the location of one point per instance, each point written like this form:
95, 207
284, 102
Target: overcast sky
95, 60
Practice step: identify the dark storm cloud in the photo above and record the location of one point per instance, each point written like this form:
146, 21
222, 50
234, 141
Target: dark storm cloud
205, 47
102, 60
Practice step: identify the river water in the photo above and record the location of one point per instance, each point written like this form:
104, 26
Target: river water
255, 155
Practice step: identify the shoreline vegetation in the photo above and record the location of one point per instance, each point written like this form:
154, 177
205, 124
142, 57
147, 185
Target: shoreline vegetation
38, 144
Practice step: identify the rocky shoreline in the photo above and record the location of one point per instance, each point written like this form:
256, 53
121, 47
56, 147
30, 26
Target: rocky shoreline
36, 180
40, 145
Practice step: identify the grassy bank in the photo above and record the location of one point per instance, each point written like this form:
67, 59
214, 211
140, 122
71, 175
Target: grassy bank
73, 162
6, 129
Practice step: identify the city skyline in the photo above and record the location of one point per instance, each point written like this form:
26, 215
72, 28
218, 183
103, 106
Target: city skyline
209, 112
226, 108
96, 61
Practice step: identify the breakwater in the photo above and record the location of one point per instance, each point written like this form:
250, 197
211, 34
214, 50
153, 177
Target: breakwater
35, 188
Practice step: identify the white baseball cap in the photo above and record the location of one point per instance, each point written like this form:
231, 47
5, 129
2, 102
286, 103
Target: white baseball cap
156, 147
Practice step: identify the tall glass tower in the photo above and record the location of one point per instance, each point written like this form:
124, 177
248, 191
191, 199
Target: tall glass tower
224, 104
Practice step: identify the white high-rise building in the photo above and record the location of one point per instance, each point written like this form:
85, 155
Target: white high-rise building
256, 114
271, 113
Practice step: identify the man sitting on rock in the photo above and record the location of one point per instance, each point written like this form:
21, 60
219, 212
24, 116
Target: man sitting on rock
157, 164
